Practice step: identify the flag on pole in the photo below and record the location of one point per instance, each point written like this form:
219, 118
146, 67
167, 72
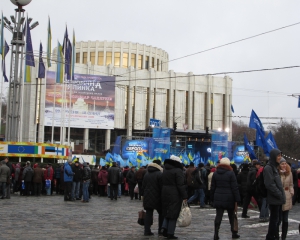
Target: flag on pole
4, 53
255, 122
299, 102
65, 42
68, 58
29, 59
232, 109
270, 141
1, 36
60, 65
73, 56
41, 73
49, 40
249, 148
260, 140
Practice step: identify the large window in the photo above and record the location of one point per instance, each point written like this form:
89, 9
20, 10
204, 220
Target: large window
157, 65
92, 58
153, 62
140, 61
108, 58
101, 58
147, 62
77, 57
84, 60
133, 56
117, 59
125, 60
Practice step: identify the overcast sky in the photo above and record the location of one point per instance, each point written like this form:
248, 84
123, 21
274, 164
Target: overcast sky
191, 26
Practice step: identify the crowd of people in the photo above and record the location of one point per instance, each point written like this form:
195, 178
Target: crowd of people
275, 188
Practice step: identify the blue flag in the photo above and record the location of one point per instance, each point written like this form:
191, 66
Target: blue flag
299, 102
29, 60
41, 73
255, 122
270, 141
232, 109
6, 49
260, 140
249, 148
68, 60
65, 42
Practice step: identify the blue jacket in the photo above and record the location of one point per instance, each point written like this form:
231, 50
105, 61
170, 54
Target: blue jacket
68, 173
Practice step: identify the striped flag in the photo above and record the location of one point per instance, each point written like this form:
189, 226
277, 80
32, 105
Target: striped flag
29, 60
49, 39
60, 65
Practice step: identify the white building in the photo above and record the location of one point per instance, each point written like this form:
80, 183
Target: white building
145, 88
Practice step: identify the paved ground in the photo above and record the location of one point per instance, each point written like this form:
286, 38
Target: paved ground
52, 218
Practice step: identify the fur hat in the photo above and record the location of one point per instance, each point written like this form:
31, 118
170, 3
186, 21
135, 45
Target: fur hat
175, 158
225, 161
282, 160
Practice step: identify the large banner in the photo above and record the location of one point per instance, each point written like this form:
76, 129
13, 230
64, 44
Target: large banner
159, 147
92, 102
133, 147
219, 146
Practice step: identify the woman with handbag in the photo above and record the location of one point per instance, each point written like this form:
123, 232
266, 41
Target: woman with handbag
173, 193
225, 196
288, 187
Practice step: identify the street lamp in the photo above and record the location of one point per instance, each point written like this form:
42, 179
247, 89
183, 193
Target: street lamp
16, 70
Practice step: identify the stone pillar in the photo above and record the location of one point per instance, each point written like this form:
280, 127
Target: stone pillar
86, 138
107, 139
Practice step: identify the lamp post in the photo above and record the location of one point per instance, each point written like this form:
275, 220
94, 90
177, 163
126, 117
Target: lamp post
16, 69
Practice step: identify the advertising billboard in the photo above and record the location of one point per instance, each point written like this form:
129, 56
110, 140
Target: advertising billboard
89, 99
131, 147
219, 146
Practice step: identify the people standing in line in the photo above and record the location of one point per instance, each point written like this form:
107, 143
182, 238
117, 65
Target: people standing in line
9, 180
173, 194
102, 181
77, 178
68, 180
57, 175
251, 189
27, 177
37, 180
188, 175
126, 186
130, 177
139, 176
275, 192
225, 195
86, 179
152, 185
121, 182
94, 179
288, 186
114, 180
199, 186
4, 175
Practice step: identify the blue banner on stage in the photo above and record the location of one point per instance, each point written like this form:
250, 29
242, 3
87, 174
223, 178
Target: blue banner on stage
132, 147
219, 146
159, 145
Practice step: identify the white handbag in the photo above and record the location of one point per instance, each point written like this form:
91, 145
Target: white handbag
185, 216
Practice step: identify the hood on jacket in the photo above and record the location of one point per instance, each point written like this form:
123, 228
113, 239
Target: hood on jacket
222, 168
273, 155
84, 164
153, 167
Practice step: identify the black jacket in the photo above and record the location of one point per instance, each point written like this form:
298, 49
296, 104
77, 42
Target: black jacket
272, 180
86, 173
77, 177
251, 178
242, 181
114, 175
130, 177
152, 185
224, 189
173, 190
28, 174
198, 179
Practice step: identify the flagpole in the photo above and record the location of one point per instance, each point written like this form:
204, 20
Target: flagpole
54, 99
2, 83
70, 111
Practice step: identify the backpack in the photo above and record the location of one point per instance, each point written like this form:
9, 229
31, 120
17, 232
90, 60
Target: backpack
197, 179
259, 184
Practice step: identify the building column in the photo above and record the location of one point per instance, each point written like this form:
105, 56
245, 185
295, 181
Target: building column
86, 139
190, 100
107, 139
129, 105
208, 119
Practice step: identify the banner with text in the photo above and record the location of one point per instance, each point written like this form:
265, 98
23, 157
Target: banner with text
159, 146
219, 146
92, 101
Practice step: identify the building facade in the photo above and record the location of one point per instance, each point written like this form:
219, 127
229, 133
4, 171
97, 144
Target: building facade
145, 88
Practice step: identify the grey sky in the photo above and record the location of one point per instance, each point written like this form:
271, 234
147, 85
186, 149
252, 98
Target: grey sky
186, 27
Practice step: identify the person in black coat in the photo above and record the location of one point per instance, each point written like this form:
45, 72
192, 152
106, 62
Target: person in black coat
173, 193
152, 185
114, 179
242, 181
130, 178
225, 195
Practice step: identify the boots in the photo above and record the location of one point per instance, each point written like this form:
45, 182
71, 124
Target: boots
235, 235
217, 228
284, 230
